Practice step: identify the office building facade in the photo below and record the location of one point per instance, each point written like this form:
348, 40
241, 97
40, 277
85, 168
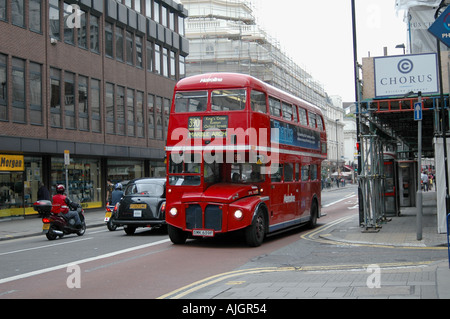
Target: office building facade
85, 90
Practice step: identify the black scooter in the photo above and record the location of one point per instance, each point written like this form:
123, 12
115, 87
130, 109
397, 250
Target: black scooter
55, 224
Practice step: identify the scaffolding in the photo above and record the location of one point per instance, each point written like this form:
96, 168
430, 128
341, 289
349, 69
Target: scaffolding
224, 37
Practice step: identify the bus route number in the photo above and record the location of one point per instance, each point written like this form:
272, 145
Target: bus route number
195, 123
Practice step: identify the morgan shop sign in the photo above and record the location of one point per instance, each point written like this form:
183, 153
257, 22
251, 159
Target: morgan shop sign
399, 75
12, 163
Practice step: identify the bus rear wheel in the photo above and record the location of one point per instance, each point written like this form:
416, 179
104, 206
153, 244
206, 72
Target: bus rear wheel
255, 233
176, 235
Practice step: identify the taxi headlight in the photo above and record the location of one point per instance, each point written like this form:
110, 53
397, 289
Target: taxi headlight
173, 212
238, 214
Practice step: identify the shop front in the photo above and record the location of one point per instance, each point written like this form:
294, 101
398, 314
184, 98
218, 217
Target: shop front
11, 185
88, 179
84, 180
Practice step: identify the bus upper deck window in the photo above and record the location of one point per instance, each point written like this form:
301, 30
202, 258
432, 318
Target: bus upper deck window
196, 101
228, 100
258, 101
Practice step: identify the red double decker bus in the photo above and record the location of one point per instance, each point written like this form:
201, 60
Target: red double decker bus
241, 155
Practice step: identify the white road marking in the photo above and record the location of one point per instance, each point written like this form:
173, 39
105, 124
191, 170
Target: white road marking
82, 261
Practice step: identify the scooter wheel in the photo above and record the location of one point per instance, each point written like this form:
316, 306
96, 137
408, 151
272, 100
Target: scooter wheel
50, 235
82, 230
111, 226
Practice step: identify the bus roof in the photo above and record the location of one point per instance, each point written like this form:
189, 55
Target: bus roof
237, 80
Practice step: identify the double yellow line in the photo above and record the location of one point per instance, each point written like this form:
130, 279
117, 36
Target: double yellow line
196, 286
312, 235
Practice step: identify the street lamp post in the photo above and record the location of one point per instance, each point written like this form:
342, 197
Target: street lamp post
337, 154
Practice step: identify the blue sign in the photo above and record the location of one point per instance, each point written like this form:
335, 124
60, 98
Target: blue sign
418, 111
292, 135
441, 27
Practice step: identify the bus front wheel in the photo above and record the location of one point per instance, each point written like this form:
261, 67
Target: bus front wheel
176, 235
255, 233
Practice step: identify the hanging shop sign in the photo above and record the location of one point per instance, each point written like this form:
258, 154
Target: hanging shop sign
10, 163
399, 75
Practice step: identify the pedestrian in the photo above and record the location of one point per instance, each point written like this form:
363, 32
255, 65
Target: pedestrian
424, 178
109, 189
43, 193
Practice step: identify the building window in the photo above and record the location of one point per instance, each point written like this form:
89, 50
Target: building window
156, 11
165, 63
55, 100
149, 56
166, 116
94, 34
159, 125
110, 113
18, 13
139, 62
69, 34
164, 16
181, 26
148, 8
109, 40
95, 106
120, 104
130, 112
82, 31
119, 43
35, 15
157, 59
151, 115
137, 6
69, 100
54, 19
18, 90
171, 20
173, 70
140, 114
3, 88
36, 94
129, 48
182, 67
3, 9
83, 105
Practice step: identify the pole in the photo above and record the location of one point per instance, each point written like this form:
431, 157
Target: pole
443, 116
419, 200
358, 109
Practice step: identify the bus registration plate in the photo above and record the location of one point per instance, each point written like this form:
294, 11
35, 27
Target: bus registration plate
204, 233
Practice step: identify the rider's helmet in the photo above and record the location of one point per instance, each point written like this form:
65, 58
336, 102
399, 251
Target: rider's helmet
60, 189
118, 186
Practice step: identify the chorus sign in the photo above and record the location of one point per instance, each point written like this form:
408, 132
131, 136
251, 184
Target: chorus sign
399, 75
12, 163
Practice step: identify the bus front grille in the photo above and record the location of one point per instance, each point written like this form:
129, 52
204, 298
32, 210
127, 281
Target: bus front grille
212, 220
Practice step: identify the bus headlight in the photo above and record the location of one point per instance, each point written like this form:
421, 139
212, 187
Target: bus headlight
173, 212
238, 214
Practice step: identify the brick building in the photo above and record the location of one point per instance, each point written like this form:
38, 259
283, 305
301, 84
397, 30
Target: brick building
91, 77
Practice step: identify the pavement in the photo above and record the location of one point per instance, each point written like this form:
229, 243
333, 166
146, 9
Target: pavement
425, 280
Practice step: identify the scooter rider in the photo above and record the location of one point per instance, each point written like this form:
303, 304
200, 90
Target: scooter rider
60, 199
117, 194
